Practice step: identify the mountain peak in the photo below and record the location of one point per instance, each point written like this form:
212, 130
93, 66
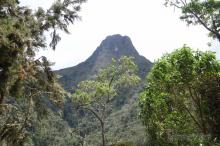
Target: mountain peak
113, 46
116, 38
116, 46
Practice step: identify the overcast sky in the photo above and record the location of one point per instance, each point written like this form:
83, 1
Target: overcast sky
153, 28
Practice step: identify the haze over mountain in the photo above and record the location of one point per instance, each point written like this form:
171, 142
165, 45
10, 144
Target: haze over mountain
113, 46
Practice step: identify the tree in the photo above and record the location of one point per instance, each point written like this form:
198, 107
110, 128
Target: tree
210, 91
22, 34
97, 95
205, 13
174, 105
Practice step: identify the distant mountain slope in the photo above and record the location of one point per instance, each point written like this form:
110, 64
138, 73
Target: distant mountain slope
113, 46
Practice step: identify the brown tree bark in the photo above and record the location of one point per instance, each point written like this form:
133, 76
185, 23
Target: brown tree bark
103, 133
101, 123
1, 97
3, 84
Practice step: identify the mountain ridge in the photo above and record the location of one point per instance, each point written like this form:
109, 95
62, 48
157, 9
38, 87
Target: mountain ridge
113, 46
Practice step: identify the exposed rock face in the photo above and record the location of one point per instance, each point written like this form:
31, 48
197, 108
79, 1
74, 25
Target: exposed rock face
113, 46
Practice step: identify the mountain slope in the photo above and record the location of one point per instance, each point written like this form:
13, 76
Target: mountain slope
113, 46
122, 123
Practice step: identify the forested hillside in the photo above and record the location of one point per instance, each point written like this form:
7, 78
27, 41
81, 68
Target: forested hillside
116, 97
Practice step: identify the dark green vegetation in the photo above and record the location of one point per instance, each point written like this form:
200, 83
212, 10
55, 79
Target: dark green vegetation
180, 105
22, 33
22, 75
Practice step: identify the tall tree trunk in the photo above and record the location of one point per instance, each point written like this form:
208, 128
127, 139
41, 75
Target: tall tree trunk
3, 85
1, 97
103, 133
101, 120
211, 95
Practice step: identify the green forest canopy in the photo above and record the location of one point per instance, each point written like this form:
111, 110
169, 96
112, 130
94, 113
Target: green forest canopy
180, 104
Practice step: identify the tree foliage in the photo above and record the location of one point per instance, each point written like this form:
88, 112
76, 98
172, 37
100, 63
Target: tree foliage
174, 105
22, 34
97, 95
22, 75
205, 13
